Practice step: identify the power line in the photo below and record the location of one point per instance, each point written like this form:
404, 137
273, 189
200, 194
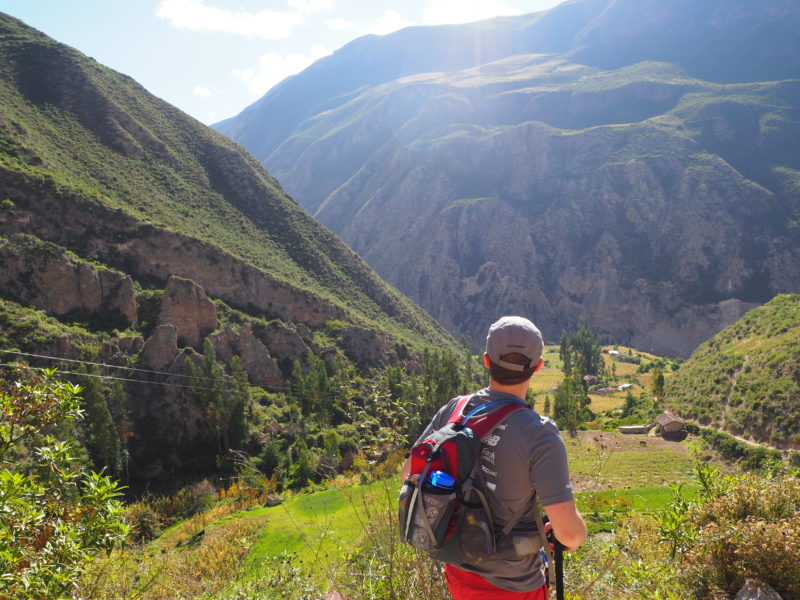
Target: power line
191, 387
284, 389
86, 362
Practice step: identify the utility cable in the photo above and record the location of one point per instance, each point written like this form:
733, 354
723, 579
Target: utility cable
284, 389
191, 387
86, 362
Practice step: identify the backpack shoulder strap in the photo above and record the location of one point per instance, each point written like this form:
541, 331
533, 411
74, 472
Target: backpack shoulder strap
459, 408
484, 425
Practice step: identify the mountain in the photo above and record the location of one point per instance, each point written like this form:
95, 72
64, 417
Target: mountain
746, 379
133, 235
632, 163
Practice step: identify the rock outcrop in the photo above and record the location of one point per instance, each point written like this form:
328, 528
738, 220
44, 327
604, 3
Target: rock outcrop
757, 591
171, 428
286, 343
367, 348
47, 277
161, 348
186, 306
120, 348
255, 356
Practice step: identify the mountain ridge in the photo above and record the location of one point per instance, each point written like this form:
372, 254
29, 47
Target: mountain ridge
53, 75
654, 204
746, 379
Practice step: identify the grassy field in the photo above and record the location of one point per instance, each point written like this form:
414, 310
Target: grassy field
317, 527
311, 534
609, 460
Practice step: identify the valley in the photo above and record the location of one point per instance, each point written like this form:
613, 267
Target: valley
214, 357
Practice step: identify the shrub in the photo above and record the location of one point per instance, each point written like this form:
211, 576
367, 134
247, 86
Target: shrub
55, 517
749, 528
143, 522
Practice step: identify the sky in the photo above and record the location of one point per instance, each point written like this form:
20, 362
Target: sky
212, 58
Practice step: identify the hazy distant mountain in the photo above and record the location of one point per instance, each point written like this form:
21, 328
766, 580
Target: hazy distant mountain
633, 162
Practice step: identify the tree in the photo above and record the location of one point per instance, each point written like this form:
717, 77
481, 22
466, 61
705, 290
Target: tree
630, 404
103, 439
239, 405
220, 405
658, 382
584, 345
571, 403
301, 470
55, 516
118, 407
580, 355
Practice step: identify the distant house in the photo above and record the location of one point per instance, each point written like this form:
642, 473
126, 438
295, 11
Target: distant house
604, 391
634, 428
592, 380
624, 386
669, 424
613, 352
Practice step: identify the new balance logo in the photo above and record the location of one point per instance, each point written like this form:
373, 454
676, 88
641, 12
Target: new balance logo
492, 440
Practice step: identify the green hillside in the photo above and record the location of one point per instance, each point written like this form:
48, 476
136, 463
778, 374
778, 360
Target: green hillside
746, 379
154, 262
99, 145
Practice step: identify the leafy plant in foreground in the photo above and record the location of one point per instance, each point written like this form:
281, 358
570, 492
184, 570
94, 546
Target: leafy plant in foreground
54, 517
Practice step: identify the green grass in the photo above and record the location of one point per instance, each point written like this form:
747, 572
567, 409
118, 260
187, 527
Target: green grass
743, 379
649, 499
609, 460
317, 527
27, 329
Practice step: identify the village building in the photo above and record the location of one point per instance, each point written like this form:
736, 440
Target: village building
634, 428
669, 424
592, 380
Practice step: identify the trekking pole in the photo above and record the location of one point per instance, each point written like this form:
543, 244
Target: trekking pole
558, 559
558, 564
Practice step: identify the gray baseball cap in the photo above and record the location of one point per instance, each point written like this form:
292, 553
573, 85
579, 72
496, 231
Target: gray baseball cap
514, 334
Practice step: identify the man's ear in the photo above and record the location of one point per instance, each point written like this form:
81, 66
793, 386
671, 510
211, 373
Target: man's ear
486, 360
538, 365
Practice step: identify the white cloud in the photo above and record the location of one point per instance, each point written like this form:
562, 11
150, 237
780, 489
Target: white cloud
464, 11
273, 68
195, 15
204, 92
388, 23
309, 6
338, 24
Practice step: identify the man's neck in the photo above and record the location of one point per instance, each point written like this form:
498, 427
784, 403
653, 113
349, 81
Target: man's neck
520, 390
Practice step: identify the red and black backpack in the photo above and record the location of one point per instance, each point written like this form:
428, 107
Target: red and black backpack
443, 506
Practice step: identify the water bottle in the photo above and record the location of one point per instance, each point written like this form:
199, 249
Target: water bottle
442, 480
437, 495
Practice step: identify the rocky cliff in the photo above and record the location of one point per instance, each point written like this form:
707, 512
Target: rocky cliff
629, 163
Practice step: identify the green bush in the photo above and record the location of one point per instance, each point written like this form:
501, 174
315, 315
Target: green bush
55, 516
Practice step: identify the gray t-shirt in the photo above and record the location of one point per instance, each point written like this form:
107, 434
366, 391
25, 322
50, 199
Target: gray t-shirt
525, 455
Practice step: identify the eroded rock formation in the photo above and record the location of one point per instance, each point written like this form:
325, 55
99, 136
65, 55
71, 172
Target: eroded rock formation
47, 277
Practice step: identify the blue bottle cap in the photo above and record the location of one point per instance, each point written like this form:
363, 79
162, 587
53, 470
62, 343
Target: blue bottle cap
442, 480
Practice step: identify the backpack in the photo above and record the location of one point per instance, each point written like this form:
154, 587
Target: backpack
443, 509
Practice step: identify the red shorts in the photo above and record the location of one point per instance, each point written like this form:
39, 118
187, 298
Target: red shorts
464, 585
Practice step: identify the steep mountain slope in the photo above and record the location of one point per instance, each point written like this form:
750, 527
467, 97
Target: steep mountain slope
746, 379
133, 236
632, 163
94, 163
